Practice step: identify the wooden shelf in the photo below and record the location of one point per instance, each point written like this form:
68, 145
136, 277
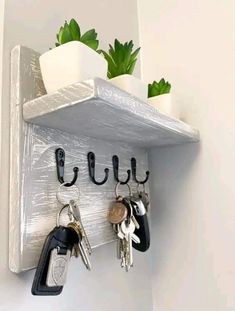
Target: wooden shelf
98, 109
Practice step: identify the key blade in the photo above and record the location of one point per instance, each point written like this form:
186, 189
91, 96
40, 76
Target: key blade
135, 238
135, 222
86, 240
130, 250
84, 256
74, 209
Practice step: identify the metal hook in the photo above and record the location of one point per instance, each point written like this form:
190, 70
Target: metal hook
91, 166
60, 162
115, 171
133, 168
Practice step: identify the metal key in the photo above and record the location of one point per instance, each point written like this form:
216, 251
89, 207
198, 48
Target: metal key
128, 254
120, 245
127, 203
76, 226
75, 212
127, 232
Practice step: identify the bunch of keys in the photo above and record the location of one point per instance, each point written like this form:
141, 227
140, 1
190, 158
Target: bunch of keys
124, 224
60, 244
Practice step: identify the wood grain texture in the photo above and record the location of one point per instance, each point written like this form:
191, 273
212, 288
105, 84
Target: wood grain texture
26, 84
98, 109
33, 181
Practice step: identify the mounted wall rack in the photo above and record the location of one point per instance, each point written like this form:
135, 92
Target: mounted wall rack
91, 115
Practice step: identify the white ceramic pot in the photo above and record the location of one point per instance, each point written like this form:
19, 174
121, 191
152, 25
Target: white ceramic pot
131, 85
70, 63
164, 104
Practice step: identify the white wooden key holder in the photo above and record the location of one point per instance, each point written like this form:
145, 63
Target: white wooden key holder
87, 116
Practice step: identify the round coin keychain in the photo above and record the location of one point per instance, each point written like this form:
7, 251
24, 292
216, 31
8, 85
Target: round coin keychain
118, 211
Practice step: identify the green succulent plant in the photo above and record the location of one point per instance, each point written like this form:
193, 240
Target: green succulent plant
121, 58
71, 32
159, 88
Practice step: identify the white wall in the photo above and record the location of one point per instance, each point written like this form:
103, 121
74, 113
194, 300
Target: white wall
106, 287
2, 4
192, 43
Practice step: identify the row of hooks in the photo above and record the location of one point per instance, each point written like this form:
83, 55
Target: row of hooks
60, 163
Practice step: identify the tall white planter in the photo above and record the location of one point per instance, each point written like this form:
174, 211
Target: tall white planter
70, 63
164, 104
131, 85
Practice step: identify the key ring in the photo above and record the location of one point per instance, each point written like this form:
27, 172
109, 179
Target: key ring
72, 217
59, 214
67, 191
117, 186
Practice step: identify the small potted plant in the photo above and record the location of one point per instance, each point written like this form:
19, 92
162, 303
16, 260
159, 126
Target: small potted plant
159, 96
74, 58
121, 63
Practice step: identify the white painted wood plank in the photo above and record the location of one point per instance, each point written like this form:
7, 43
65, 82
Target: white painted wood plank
26, 83
98, 109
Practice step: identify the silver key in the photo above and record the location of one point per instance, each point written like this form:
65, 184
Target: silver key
121, 246
79, 247
126, 236
128, 230
58, 267
123, 253
84, 256
135, 238
131, 216
74, 210
119, 249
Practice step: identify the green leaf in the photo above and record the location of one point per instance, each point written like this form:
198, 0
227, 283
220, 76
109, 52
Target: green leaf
112, 69
127, 55
134, 54
118, 52
111, 51
66, 35
93, 44
149, 90
131, 67
161, 83
74, 30
167, 88
60, 34
117, 45
89, 35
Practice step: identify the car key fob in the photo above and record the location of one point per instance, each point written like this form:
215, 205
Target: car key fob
139, 211
51, 271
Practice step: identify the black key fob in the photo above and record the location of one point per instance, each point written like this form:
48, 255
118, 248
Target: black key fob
143, 233
60, 240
